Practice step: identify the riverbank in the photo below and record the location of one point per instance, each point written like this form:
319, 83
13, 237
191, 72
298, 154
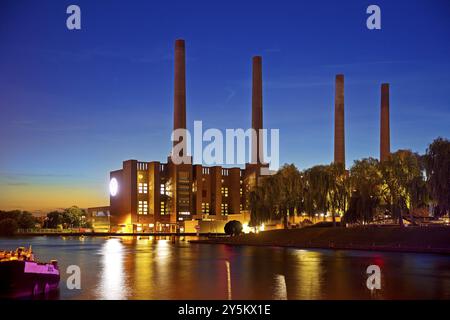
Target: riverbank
107, 234
397, 239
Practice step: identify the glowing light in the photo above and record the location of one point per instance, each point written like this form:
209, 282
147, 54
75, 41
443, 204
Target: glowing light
246, 228
113, 187
262, 228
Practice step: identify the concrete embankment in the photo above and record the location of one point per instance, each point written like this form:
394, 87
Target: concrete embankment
398, 239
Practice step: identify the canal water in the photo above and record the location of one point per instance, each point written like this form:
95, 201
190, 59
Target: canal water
173, 268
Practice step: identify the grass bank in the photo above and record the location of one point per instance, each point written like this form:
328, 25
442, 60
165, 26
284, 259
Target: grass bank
406, 239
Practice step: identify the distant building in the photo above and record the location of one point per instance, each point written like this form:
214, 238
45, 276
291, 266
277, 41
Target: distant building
99, 218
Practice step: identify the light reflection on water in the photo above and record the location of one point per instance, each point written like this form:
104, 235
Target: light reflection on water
112, 282
172, 268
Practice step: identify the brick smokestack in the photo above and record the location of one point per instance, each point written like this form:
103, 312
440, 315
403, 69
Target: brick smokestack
339, 127
179, 102
257, 101
385, 136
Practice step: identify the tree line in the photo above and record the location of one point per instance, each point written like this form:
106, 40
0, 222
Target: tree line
73, 217
368, 191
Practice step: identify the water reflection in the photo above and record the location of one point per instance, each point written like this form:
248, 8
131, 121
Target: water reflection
227, 264
162, 268
280, 290
309, 274
112, 281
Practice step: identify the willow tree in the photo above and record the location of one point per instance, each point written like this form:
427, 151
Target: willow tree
366, 185
263, 200
316, 190
401, 175
338, 190
277, 196
437, 165
290, 188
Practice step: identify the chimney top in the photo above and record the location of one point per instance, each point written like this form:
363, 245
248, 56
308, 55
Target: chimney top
179, 43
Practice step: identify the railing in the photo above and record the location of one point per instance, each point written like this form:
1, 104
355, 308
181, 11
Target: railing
45, 230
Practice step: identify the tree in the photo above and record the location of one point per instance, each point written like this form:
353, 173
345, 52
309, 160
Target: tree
338, 190
72, 217
8, 227
317, 187
402, 176
437, 166
54, 219
365, 184
260, 207
290, 188
233, 228
25, 220
277, 196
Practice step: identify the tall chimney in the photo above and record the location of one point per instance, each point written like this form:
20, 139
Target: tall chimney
385, 139
339, 127
257, 112
179, 102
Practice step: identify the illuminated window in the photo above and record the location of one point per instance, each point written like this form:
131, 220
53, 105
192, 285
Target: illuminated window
143, 187
224, 208
163, 189
205, 207
241, 207
241, 191
163, 208
143, 207
225, 191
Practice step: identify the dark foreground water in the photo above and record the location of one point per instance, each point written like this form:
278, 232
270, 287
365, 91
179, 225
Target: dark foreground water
172, 268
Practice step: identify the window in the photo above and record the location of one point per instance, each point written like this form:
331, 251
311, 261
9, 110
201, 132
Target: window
142, 166
163, 189
143, 207
143, 187
241, 207
163, 208
241, 191
205, 207
224, 208
225, 191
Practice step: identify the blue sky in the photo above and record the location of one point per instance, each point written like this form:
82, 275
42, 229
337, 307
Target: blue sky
75, 104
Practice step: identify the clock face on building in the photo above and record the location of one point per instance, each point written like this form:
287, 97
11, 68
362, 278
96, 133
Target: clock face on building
113, 187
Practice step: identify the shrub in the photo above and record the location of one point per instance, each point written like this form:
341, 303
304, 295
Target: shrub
233, 228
